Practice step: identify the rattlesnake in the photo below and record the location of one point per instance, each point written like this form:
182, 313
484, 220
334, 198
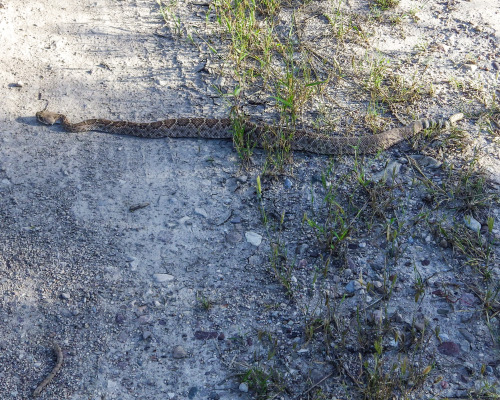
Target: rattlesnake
260, 135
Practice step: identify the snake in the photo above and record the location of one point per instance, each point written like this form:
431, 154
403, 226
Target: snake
260, 135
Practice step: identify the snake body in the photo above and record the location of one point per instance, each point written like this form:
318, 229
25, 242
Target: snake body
260, 135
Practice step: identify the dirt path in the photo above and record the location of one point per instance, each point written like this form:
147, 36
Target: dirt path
143, 258
77, 265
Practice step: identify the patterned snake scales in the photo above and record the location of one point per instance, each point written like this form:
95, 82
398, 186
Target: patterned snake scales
259, 134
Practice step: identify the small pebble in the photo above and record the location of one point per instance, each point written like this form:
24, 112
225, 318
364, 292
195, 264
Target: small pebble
203, 335
179, 352
427, 162
253, 238
377, 317
470, 67
201, 212
163, 277
243, 387
468, 336
233, 237
192, 392
119, 318
389, 174
449, 349
469, 367
352, 287
472, 223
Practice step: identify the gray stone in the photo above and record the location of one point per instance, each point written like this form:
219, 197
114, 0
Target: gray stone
192, 392
201, 211
426, 161
120, 318
233, 237
144, 319
472, 223
389, 174
449, 349
179, 352
469, 367
468, 336
352, 287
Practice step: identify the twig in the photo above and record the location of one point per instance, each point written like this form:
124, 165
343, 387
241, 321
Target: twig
316, 384
55, 370
138, 207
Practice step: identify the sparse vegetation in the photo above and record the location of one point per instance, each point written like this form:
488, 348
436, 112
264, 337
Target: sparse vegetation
385, 4
374, 353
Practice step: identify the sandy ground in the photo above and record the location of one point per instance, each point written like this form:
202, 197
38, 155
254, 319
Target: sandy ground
79, 267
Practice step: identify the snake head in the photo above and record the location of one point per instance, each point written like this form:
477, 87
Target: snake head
47, 117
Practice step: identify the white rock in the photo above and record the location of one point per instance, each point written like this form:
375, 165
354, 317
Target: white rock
389, 173
201, 211
472, 223
253, 238
243, 387
163, 277
470, 67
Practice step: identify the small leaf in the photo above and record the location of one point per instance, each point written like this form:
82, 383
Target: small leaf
282, 100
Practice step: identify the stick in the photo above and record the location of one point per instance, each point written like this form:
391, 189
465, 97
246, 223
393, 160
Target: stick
55, 370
